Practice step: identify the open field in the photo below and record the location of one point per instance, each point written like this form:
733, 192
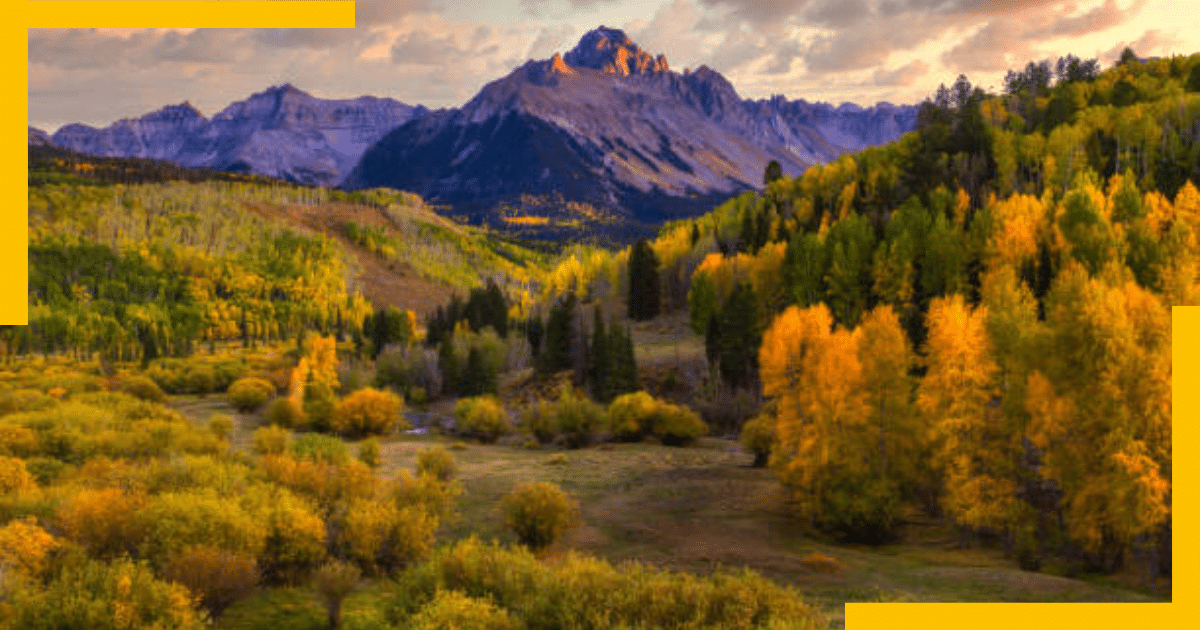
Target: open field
703, 508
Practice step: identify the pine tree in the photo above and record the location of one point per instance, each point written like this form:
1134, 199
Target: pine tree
448, 364
556, 351
643, 282
739, 336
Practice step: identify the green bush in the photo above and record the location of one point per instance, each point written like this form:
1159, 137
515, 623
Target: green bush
272, 440
249, 393
143, 388
320, 448
285, 412
368, 411
677, 425
437, 462
539, 513
220, 425
200, 379
580, 420
319, 405
482, 417
540, 420
368, 452
452, 610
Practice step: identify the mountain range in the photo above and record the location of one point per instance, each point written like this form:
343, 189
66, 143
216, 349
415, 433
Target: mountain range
606, 124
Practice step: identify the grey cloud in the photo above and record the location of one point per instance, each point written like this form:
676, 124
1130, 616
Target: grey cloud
421, 48
760, 11
549, 40
903, 76
839, 13
201, 45
369, 13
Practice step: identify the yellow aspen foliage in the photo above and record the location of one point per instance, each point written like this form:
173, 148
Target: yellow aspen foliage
1107, 446
962, 204
368, 411
1019, 220
25, 548
956, 396
885, 356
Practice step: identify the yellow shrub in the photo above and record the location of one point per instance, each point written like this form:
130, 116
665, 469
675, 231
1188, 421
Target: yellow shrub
482, 417
25, 548
381, 537
296, 538
174, 521
285, 412
217, 577
539, 513
452, 610
271, 440
639, 413
437, 462
249, 393
144, 388
103, 521
14, 478
368, 411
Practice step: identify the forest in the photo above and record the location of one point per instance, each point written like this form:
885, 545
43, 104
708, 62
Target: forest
948, 356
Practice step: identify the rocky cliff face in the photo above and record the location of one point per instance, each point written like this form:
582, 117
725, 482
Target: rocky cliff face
280, 132
610, 125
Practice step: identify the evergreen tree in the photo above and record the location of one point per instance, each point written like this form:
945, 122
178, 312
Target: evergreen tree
600, 362
773, 172
623, 378
696, 228
740, 337
712, 338
643, 282
556, 351
477, 378
746, 235
534, 329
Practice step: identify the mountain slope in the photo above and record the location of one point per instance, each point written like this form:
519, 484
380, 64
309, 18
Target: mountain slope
281, 132
611, 126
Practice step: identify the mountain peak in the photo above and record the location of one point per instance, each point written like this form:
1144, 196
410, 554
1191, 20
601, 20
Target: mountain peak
610, 50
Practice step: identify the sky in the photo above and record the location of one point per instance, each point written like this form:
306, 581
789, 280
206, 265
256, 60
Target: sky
439, 53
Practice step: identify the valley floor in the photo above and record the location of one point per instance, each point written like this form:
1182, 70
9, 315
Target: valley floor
703, 508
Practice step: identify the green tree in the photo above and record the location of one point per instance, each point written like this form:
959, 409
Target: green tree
740, 336
643, 282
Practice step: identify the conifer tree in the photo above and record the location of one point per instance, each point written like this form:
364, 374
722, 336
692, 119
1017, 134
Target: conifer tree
600, 364
643, 282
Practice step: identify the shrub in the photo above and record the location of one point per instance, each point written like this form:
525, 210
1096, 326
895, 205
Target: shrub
636, 414
220, 425
216, 576
200, 379
757, 436
438, 463
539, 513
367, 412
249, 393
540, 420
482, 417
368, 452
84, 597
577, 418
458, 445
382, 537
426, 492
176, 520
320, 448
631, 415
144, 388
271, 440
677, 425
295, 541
14, 478
103, 521
285, 412
25, 548
452, 610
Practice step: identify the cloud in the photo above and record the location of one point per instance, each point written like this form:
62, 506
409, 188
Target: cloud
551, 39
371, 13
760, 11
990, 49
424, 48
1101, 18
838, 13
903, 76
671, 32
1153, 41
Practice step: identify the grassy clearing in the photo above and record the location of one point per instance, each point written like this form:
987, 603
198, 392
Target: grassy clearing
703, 508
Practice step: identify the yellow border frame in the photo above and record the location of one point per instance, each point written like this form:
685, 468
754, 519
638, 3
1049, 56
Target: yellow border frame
340, 14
